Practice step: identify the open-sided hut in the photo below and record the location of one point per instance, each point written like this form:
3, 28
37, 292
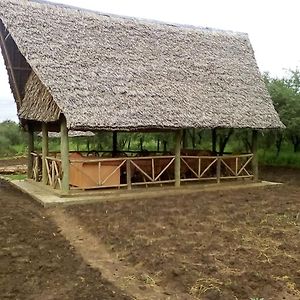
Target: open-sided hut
73, 69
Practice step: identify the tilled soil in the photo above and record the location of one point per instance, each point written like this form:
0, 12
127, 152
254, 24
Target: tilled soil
36, 262
213, 245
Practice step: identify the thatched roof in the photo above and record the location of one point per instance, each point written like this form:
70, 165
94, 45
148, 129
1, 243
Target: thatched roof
117, 73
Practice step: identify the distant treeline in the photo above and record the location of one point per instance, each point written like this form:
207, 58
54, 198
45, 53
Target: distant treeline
276, 146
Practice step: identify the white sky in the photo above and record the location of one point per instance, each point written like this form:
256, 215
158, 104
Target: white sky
273, 27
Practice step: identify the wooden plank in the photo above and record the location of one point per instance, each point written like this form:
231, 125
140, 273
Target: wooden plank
141, 170
208, 167
64, 149
245, 165
49, 180
115, 170
189, 167
226, 165
164, 169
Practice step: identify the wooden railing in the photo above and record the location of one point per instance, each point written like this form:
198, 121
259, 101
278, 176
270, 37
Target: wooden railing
54, 172
194, 168
95, 173
36, 167
132, 171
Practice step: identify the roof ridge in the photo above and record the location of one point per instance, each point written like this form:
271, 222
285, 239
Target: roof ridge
144, 20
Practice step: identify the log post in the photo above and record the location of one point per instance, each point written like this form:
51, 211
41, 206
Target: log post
64, 150
30, 149
254, 158
178, 137
128, 174
45, 152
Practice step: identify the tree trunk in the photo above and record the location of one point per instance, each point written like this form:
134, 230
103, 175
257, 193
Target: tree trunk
141, 144
223, 142
129, 142
214, 140
165, 146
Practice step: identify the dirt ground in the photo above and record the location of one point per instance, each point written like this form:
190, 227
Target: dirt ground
21, 160
214, 245
36, 261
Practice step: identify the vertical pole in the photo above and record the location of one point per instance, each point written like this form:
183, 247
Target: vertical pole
178, 137
64, 150
255, 158
218, 169
30, 149
214, 140
44, 152
115, 144
128, 174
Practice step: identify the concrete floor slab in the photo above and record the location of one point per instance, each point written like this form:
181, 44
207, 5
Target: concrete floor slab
47, 197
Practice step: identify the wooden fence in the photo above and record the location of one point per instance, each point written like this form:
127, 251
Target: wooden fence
95, 173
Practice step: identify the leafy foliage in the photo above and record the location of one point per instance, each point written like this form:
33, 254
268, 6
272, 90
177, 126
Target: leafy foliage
285, 93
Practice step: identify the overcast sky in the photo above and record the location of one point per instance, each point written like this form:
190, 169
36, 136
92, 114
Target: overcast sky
272, 25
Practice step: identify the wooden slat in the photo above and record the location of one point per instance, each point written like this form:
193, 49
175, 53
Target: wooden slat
244, 166
189, 167
166, 167
141, 170
115, 170
208, 167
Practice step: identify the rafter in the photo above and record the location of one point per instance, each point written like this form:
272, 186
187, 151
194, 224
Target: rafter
10, 66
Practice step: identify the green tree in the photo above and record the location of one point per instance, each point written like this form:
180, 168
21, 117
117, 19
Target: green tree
285, 93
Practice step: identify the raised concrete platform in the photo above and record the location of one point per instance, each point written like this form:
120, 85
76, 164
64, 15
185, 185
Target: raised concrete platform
46, 196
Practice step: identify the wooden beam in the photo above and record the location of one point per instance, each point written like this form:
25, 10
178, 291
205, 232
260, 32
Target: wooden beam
30, 149
178, 137
254, 151
64, 150
45, 152
21, 69
9, 65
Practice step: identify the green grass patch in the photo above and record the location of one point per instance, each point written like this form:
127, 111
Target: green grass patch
284, 159
15, 177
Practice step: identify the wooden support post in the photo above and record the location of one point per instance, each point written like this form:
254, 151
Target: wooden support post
115, 144
64, 150
255, 158
30, 149
128, 174
214, 140
44, 152
178, 137
219, 170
